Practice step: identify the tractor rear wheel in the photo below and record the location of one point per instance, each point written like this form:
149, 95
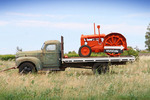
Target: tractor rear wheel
85, 51
115, 39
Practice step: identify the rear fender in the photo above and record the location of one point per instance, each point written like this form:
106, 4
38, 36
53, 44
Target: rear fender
120, 35
33, 60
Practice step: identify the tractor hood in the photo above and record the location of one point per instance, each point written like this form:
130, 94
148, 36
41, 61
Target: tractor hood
29, 53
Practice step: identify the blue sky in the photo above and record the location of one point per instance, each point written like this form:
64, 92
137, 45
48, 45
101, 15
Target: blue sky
28, 23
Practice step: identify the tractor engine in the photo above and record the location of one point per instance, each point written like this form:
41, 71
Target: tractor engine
113, 44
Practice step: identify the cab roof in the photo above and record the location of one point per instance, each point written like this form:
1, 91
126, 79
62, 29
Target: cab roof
52, 41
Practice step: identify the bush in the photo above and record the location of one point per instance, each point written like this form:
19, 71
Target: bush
129, 52
98, 54
72, 55
7, 57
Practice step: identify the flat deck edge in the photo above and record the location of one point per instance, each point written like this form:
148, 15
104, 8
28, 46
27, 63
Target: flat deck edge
98, 59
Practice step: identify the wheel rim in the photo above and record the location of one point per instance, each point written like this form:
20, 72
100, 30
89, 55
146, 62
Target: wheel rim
27, 69
85, 51
102, 68
98, 70
114, 40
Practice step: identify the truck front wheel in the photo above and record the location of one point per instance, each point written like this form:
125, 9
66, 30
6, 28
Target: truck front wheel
26, 68
100, 68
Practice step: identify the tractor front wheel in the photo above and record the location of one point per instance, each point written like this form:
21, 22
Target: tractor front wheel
85, 51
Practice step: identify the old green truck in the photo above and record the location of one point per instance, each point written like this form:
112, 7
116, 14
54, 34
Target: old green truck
51, 58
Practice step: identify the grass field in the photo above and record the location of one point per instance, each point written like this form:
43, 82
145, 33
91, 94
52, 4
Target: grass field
126, 82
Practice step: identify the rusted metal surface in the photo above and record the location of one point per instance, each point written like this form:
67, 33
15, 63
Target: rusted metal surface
62, 46
8, 69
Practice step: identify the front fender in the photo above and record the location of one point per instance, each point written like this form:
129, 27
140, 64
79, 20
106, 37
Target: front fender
33, 60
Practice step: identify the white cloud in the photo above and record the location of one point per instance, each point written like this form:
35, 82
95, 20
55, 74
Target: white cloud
7, 51
3, 23
58, 25
105, 28
39, 15
121, 28
33, 23
23, 14
137, 15
125, 28
58, 16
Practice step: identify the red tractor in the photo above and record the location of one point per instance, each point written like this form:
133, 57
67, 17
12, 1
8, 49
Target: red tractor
113, 44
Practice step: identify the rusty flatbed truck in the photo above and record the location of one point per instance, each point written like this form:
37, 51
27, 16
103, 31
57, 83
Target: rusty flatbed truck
51, 58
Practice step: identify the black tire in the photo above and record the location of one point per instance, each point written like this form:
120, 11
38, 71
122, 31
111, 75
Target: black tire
80, 53
26, 68
100, 68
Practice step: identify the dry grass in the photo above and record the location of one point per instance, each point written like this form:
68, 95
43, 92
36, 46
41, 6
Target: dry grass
131, 81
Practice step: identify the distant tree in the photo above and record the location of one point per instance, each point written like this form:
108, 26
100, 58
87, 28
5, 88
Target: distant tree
72, 52
137, 49
147, 37
69, 52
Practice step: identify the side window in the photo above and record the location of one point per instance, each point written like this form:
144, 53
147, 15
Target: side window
51, 47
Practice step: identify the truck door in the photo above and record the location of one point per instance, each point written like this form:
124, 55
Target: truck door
51, 56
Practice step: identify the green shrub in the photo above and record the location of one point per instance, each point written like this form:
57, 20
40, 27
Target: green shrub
72, 55
7, 57
98, 54
129, 52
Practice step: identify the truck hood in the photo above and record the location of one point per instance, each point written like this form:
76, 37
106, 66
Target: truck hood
28, 53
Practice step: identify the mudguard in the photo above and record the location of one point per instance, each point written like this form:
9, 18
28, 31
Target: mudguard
33, 60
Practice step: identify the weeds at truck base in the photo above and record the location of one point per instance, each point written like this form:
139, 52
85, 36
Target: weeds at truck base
127, 82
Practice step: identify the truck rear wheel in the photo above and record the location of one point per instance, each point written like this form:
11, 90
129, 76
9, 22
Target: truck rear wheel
100, 68
26, 68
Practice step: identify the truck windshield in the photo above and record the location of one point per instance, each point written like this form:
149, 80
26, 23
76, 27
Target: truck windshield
43, 46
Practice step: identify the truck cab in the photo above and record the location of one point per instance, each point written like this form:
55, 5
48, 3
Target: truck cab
51, 54
48, 58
